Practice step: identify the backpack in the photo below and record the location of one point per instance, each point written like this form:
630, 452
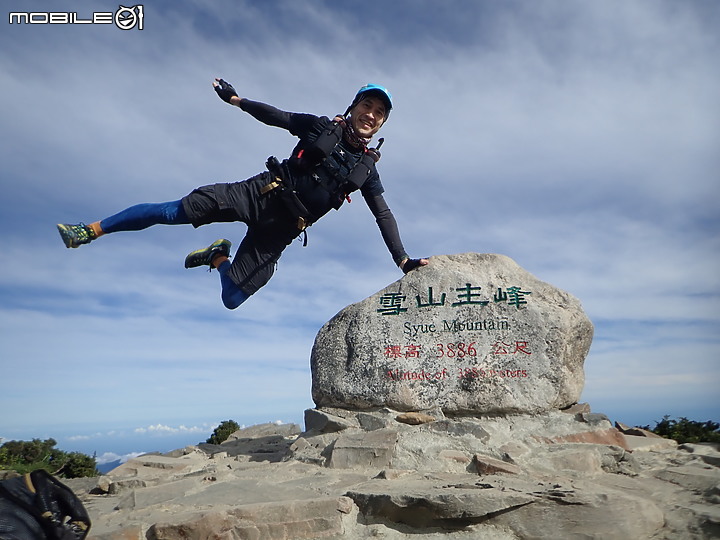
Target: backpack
37, 506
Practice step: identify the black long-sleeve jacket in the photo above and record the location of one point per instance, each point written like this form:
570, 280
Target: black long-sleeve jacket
317, 199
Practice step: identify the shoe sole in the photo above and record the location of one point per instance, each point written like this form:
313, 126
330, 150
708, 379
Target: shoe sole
217, 246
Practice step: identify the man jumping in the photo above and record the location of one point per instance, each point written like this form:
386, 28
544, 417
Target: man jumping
331, 160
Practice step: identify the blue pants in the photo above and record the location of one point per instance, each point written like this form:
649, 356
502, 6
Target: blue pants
142, 216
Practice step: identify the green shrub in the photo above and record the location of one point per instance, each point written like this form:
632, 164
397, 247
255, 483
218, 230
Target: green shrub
686, 431
27, 456
78, 465
223, 431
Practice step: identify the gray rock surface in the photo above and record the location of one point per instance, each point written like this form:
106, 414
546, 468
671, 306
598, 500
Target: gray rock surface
469, 333
505, 477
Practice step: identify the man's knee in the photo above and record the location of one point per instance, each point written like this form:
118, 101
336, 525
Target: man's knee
233, 299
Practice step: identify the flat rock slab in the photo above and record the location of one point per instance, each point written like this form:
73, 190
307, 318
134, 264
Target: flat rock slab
704, 480
290, 520
584, 510
426, 502
151, 466
529, 508
369, 450
468, 333
638, 443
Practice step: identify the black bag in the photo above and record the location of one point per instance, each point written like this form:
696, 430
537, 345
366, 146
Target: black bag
36, 506
288, 195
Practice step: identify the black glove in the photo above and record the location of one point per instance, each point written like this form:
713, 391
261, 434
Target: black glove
410, 265
225, 90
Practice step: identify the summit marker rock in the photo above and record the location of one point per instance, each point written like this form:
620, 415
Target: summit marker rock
468, 333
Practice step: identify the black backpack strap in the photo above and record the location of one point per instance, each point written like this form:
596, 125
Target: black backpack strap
323, 146
360, 172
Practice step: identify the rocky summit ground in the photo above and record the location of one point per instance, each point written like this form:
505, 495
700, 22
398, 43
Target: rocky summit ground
386, 474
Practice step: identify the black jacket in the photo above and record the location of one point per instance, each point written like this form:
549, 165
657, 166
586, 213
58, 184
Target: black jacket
317, 198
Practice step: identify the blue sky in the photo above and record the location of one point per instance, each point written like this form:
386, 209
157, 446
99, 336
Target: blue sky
579, 138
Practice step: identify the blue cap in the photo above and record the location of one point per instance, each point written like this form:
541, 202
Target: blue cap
374, 90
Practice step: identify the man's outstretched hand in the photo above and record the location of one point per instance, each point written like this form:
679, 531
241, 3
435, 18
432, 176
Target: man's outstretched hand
409, 265
226, 91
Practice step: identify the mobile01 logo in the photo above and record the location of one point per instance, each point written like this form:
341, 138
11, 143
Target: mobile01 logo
125, 18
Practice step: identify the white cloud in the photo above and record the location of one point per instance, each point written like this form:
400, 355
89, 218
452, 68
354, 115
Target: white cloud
161, 429
97, 435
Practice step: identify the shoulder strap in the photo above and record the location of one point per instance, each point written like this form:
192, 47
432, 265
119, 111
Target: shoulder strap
313, 154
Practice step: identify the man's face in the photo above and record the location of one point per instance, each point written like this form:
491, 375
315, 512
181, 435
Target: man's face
368, 116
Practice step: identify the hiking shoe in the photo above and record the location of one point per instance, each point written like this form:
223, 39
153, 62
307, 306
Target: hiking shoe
204, 256
76, 235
